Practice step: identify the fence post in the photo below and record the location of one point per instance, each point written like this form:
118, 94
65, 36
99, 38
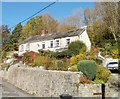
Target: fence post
103, 90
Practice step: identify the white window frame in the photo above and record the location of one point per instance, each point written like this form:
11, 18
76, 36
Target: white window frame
67, 41
51, 42
58, 43
44, 45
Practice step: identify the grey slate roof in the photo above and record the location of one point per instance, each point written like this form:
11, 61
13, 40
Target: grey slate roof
38, 38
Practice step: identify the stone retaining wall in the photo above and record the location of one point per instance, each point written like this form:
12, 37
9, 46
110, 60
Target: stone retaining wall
47, 83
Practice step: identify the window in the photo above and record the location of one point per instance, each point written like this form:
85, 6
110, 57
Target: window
51, 44
28, 47
57, 43
67, 41
43, 46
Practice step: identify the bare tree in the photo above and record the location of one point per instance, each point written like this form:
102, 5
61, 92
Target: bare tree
110, 15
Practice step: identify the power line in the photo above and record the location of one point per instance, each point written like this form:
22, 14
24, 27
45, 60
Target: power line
34, 14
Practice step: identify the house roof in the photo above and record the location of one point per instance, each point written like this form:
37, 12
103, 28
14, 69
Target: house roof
38, 38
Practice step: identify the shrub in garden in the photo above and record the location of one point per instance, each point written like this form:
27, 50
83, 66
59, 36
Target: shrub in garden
84, 80
59, 64
27, 58
66, 64
43, 61
46, 53
80, 56
74, 68
88, 68
98, 81
76, 46
62, 54
73, 60
114, 53
102, 74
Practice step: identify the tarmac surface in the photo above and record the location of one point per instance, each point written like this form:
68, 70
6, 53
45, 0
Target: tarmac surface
9, 90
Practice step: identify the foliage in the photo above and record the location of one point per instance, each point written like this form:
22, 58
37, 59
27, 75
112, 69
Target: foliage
114, 53
84, 80
46, 53
66, 64
59, 64
73, 60
76, 46
2, 54
82, 56
102, 74
88, 68
4, 66
62, 54
73, 68
44, 61
35, 26
5, 34
98, 81
57, 55
14, 38
27, 58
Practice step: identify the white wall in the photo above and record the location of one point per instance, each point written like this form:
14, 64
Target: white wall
21, 51
85, 39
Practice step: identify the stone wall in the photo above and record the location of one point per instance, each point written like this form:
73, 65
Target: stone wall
47, 83
43, 82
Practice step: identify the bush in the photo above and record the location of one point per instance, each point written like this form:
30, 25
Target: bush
84, 80
76, 46
66, 64
102, 74
44, 61
27, 58
59, 64
74, 68
73, 60
62, 54
46, 53
98, 81
88, 68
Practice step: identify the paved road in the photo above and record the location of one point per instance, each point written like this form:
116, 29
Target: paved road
8, 90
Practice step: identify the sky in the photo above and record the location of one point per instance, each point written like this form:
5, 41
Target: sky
15, 12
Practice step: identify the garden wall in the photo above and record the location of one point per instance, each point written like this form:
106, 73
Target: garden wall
47, 83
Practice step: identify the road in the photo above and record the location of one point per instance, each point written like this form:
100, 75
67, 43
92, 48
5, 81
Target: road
8, 90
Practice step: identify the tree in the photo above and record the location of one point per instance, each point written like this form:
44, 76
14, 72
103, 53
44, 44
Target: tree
63, 26
29, 29
50, 23
14, 38
35, 26
87, 16
5, 34
110, 15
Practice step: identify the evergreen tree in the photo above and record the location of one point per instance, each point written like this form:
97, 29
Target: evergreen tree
14, 38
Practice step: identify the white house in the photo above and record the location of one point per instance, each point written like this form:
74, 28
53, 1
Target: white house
54, 42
